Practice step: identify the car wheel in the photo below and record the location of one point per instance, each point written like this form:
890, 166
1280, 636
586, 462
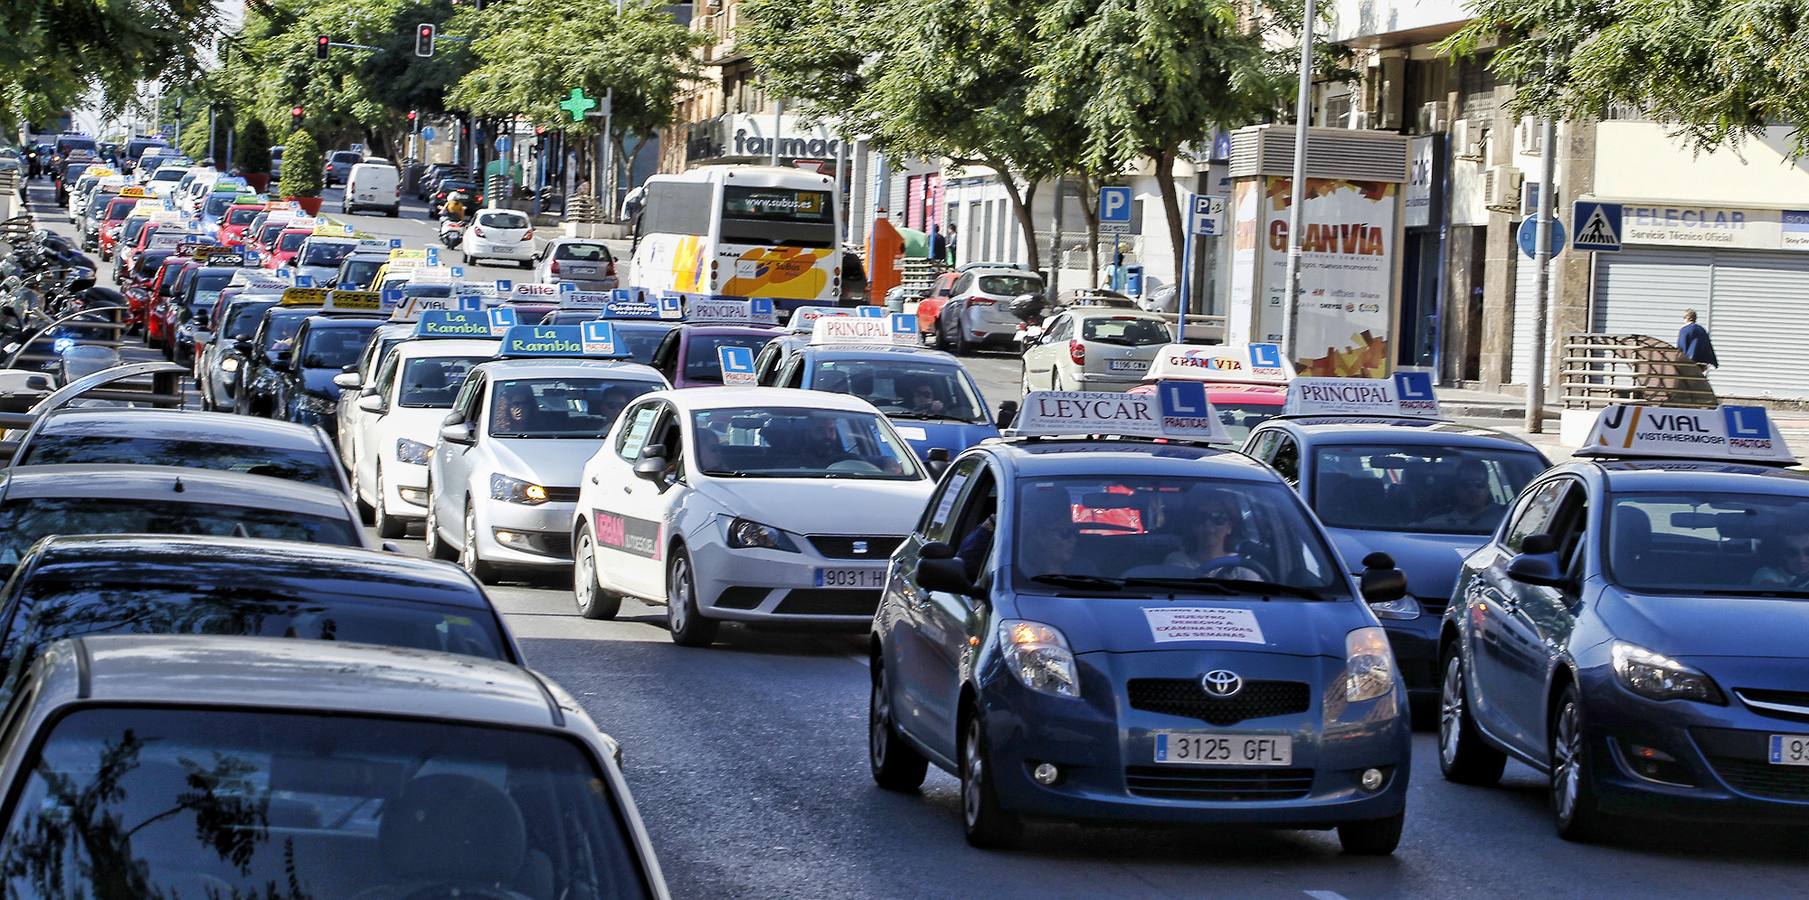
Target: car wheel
1462, 756
469, 559
1573, 801
896, 765
388, 527
688, 626
366, 513
593, 602
960, 346
1373, 837
986, 822
437, 548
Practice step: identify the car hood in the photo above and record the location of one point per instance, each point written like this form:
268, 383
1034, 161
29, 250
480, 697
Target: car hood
926, 435
1128, 625
1685, 626
824, 505
1431, 561
546, 462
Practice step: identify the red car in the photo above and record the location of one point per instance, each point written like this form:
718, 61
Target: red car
930, 307
235, 220
264, 237
111, 219
161, 294
282, 251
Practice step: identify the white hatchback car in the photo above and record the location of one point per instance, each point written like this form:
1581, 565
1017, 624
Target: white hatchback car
975, 313
1095, 348
499, 234
750, 504
402, 415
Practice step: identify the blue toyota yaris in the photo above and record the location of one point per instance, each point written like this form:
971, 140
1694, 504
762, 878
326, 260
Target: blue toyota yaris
1098, 629
928, 394
1637, 630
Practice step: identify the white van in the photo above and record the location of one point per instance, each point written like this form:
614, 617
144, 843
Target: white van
373, 183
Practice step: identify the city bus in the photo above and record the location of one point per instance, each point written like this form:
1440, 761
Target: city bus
740, 231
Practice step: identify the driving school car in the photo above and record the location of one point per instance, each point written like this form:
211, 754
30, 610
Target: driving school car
1101, 618
503, 481
1246, 383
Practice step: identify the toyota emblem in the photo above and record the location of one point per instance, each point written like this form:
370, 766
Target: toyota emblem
860, 546
1221, 683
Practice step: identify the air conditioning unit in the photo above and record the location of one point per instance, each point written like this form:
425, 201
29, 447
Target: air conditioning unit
1501, 188
1528, 134
1391, 85
1432, 117
1466, 140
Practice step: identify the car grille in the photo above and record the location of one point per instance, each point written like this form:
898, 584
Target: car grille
1797, 699
1185, 697
1203, 783
828, 602
562, 495
841, 546
1762, 779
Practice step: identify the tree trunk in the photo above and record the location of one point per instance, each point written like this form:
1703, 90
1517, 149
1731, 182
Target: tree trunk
1021, 202
1171, 205
1089, 210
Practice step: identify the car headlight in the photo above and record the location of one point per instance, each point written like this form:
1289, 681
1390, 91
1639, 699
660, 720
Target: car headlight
749, 535
1660, 677
413, 452
514, 490
1038, 655
1403, 608
230, 364
1368, 665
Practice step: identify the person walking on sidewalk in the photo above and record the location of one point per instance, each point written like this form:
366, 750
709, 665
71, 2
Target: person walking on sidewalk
1694, 341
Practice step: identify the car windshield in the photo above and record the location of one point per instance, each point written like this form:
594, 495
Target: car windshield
432, 381
269, 232
336, 348
216, 205
1241, 417
503, 220
799, 443
288, 241
1131, 331
151, 261
1436, 490
55, 609
281, 332
1710, 543
128, 233
560, 408
582, 252
242, 319
1105, 532
321, 253
238, 800
903, 388
211, 283
118, 209
310, 466
23, 521
641, 338
242, 216
703, 364
1010, 285
358, 272
169, 175
427, 289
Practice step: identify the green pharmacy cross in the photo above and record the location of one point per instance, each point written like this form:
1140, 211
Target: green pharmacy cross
578, 104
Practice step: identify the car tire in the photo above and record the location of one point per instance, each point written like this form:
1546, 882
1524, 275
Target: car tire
388, 527
367, 514
527, 264
688, 626
1372, 837
395, 212
593, 601
469, 559
1462, 755
896, 765
437, 548
1573, 802
986, 823
960, 346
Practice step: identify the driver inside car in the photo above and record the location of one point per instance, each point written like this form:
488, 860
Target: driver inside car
1209, 538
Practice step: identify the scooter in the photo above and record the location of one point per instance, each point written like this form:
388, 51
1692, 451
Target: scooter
452, 232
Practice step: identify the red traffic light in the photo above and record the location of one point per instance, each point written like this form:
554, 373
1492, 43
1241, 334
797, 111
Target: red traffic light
320, 46
411, 115
295, 111
424, 39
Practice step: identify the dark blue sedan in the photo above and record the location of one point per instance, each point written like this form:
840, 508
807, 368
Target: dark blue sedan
1098, 629
1637, 630
1424, 491
928, 394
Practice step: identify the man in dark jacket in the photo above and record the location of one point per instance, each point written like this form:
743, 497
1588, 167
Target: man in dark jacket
1693, 340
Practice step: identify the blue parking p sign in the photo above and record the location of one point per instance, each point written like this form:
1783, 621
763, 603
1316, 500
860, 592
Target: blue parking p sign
1114, 206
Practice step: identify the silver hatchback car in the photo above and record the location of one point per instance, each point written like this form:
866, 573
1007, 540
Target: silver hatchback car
585, 263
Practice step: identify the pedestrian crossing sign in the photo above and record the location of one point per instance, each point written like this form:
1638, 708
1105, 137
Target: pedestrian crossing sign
1598, 226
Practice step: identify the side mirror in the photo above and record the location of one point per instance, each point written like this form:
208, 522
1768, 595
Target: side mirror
459, 433
371, 403
935, 550
242, 347
1381, 582
652, 463
1538, 563
948, 576
937, 461
347, 380
1008, 413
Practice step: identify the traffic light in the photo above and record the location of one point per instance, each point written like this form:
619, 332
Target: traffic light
320, 46
424, 40
295, 116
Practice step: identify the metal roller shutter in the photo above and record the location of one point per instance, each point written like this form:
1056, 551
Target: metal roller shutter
1644, 290
1758, 320
1526, 293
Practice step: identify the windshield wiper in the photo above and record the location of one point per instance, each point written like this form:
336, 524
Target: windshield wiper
1211, 584
1079, 581
1258, 586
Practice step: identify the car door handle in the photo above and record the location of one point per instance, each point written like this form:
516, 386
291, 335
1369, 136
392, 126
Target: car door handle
593, 479
627, 490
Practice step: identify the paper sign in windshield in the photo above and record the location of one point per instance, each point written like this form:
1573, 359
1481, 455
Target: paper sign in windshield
1194, 623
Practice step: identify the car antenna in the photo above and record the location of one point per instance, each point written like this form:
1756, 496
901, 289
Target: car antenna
179, 487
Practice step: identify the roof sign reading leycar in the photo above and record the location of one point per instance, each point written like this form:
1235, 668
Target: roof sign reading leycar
1224, 363
1728, 433
1178, 410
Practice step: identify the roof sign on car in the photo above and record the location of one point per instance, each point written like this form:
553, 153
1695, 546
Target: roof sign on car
803, 319
863, 330
413, 308
1222, 363
389, 300
398, 254
354, 301
304, 296
453, 323
532, 292
732, 310
1725, 433
737, 365
591, 340
1405, 394
1178, 410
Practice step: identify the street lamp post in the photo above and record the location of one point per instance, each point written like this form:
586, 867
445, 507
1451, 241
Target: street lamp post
1303, 116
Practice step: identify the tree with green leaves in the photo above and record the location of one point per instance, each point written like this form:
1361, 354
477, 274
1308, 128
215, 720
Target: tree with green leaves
1717, 69
56, 53
302, 160
253, 149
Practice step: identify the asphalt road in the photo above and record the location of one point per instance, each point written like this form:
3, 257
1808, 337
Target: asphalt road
748, 762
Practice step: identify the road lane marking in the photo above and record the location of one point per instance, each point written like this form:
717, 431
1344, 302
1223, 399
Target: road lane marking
1324, 895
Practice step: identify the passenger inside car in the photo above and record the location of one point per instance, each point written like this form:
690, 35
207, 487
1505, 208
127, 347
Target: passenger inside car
1791, 554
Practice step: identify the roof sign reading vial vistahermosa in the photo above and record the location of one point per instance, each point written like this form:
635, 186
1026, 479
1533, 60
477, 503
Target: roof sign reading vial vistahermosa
1727, 433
